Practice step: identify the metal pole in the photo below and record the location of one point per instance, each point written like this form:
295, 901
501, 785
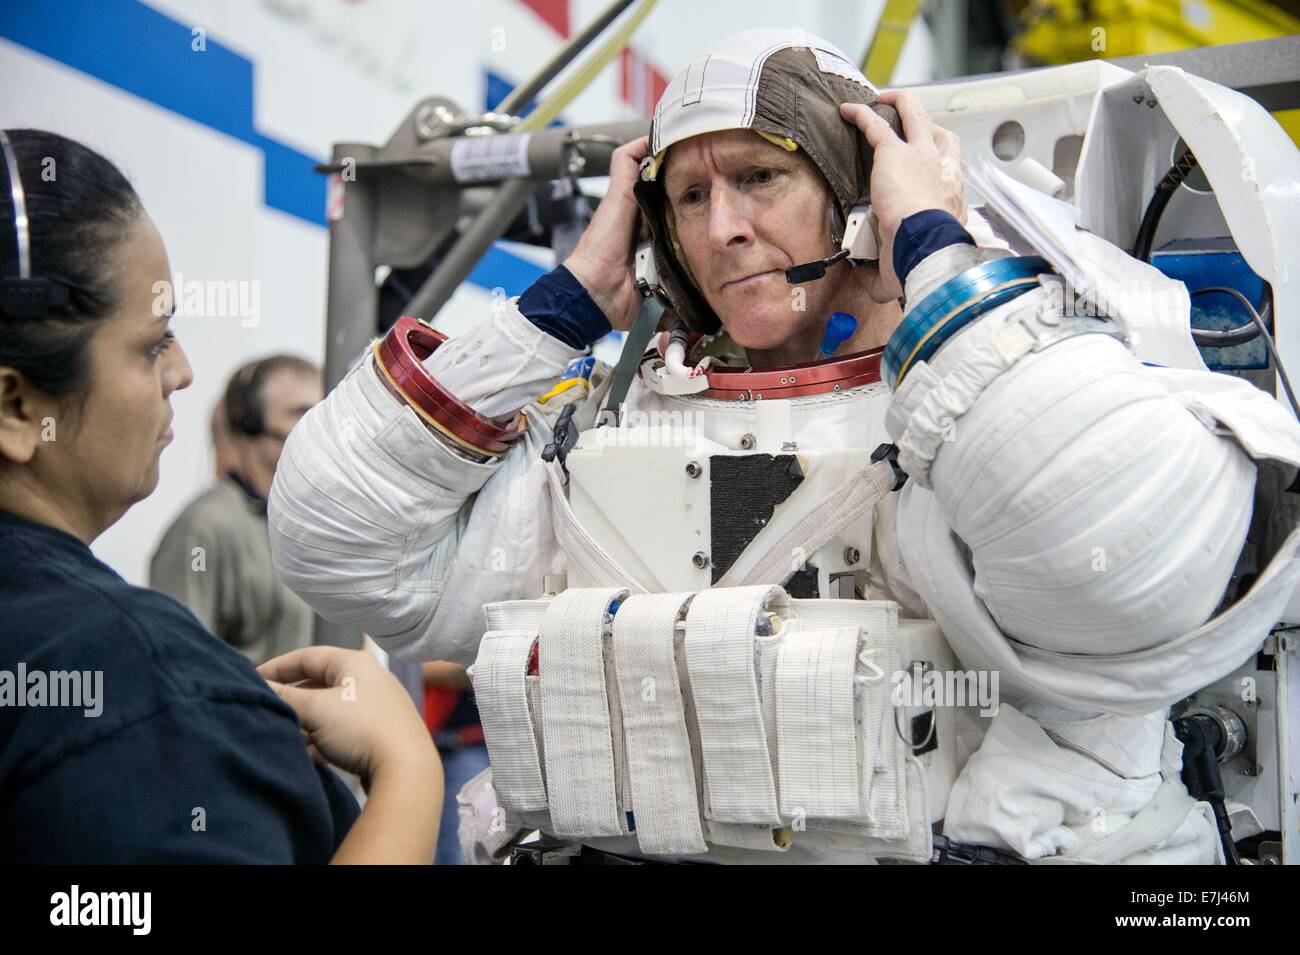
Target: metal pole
510, 199
351, 312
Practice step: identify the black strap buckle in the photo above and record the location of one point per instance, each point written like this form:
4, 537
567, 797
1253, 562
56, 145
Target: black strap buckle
563, 437
947, 852
889, 452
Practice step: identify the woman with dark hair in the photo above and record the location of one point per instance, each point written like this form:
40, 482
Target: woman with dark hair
127, 732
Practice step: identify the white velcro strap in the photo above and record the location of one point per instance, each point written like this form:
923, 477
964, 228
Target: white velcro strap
515, 614
741, 836
882, 754
817, 746
576, 724
720, 661
500, 689
666, 807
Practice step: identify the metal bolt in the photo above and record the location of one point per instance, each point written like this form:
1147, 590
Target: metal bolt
851, 555
427, 121
700, 559
693, 469
747, 442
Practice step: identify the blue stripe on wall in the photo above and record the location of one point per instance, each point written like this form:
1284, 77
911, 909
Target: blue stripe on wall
213, 86
501, 269
497, 88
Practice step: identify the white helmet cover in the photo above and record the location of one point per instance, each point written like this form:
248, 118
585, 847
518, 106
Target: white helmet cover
784, 84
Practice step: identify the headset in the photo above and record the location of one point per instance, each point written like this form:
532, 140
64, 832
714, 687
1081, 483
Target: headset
244, 402
24, 296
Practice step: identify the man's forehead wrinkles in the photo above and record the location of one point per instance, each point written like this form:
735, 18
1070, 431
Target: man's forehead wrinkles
714, 151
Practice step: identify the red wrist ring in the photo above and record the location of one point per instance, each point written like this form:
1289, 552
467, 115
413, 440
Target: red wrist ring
400, 356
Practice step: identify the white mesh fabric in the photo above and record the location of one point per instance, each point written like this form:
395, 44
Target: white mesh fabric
576, 724
817, 747
663, 784
499, 676
720, 658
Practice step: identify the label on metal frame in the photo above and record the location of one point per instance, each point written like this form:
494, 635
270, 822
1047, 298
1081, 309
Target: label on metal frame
484, 158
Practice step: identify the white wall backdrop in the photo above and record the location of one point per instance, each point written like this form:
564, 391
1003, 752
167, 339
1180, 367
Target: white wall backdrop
107, 73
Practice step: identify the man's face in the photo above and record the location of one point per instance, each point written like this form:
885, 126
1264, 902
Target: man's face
744, 210
287, 394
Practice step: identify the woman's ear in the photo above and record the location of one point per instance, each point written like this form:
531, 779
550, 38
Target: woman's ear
24, 424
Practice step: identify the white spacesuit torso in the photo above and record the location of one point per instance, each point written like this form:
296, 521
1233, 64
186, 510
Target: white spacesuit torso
1086, 735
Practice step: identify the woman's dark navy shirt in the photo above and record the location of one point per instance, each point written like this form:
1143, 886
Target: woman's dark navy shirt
193, 758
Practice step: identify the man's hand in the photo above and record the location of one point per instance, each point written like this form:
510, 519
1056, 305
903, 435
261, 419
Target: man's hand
600, 261
906, 177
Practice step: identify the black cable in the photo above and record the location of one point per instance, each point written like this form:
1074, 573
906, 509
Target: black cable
519, 97
1155, 208
1262, 329
1146, 235
1202, 740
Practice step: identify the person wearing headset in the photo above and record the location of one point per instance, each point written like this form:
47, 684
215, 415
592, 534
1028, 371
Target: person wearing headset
215, 558
1014, 447
127, 733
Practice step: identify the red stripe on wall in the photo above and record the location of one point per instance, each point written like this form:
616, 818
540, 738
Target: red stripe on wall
554, 13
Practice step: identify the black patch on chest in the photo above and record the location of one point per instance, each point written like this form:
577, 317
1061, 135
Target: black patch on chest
744, 490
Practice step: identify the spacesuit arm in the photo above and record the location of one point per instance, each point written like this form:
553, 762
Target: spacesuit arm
369, 503
1103, 503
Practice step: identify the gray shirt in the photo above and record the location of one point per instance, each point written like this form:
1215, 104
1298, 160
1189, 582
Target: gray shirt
216, 560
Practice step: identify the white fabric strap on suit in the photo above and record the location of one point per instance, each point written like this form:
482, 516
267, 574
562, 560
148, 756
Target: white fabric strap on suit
576, 724
881, 753
500, 688
848, 502
739, 835
583, 551
664, 792
720, 631
515, 614
817, 746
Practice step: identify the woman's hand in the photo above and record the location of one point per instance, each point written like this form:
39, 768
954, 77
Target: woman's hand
600, 261
354, 713
923, 172
357, 716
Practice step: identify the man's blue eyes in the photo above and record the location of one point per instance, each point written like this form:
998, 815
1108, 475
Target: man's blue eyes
760, 177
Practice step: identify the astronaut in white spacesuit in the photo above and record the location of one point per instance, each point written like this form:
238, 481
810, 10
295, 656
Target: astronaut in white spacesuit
1071, 518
